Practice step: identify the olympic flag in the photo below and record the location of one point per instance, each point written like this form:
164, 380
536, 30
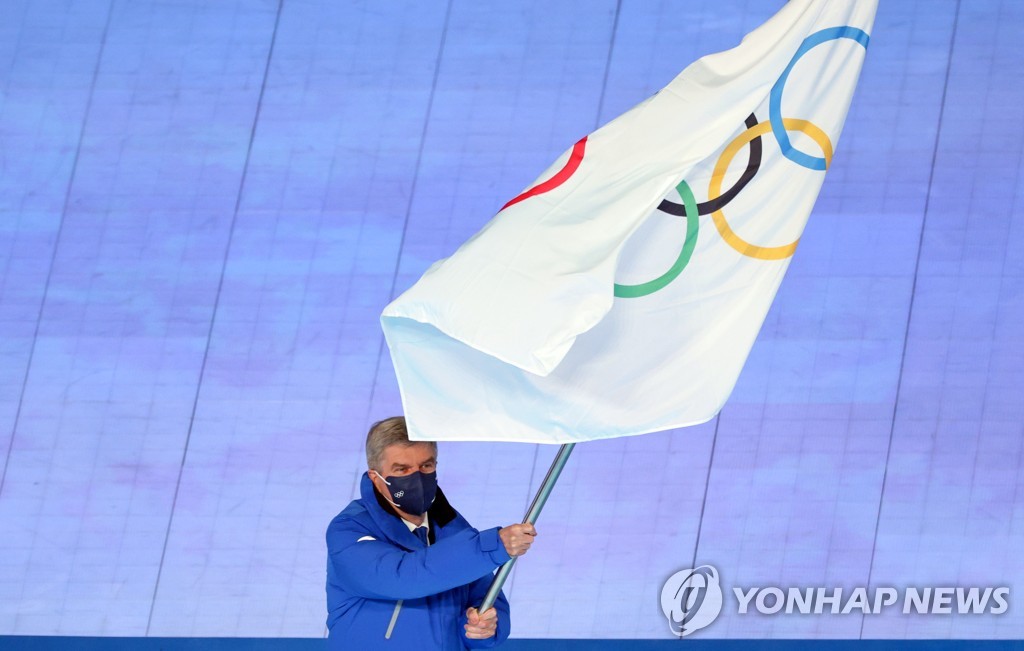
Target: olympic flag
621, 293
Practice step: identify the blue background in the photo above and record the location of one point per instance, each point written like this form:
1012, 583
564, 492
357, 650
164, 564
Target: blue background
204, 206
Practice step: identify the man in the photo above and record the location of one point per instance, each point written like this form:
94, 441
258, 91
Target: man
404, 569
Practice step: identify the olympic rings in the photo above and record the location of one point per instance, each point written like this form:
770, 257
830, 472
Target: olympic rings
775, 98
692, 210
722, 166
718, 200
692, 220
711, 205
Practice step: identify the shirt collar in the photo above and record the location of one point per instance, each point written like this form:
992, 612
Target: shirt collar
414, 527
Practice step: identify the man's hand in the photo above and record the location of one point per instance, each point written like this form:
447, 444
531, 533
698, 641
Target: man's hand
517, 538
481, 627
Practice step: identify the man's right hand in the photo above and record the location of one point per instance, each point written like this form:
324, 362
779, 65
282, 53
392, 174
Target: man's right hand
517, 538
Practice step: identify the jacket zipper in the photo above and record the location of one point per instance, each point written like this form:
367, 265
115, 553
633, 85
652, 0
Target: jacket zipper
394, 615
394, 618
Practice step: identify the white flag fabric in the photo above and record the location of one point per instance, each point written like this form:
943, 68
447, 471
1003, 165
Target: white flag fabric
621, 293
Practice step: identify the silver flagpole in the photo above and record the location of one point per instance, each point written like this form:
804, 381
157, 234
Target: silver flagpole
531, 518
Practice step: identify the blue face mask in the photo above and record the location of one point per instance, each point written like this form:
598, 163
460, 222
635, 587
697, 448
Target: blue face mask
412, 493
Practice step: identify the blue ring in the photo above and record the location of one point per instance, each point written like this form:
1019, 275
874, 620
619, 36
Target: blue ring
775, 99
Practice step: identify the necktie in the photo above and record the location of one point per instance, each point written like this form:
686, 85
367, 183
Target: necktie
421, 533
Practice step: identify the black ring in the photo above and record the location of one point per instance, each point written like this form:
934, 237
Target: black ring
708, 207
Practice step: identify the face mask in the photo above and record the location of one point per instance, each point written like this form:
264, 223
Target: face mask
412, 493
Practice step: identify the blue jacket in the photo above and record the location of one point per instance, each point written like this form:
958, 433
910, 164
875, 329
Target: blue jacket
430, 587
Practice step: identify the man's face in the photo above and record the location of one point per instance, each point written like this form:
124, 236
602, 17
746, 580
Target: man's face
399, 460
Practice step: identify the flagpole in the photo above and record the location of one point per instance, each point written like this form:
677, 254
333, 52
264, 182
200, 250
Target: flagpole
531, 518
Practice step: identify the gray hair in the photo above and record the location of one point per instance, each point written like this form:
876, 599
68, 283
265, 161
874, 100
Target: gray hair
387, 432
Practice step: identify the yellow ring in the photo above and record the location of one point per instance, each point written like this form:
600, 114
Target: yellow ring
722, 166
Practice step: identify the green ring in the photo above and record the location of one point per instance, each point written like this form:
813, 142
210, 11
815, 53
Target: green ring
651, 286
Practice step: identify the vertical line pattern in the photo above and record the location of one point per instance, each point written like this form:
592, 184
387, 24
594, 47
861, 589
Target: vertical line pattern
405, 225
412, 197
704, 500
56, 241
608, 64
910, 307
216, 303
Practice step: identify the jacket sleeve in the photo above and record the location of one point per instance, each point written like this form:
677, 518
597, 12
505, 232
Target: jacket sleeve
375, 569
476, 596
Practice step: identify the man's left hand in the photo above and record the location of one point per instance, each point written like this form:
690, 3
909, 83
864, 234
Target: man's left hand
481, 626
